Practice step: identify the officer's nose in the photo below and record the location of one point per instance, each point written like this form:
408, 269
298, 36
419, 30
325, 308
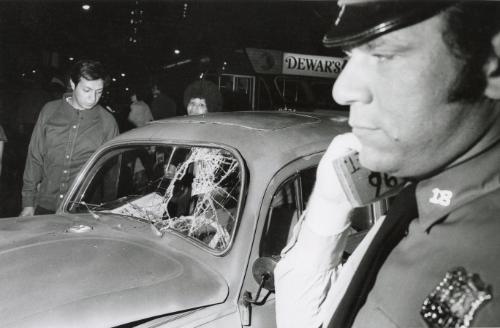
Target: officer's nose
350, 86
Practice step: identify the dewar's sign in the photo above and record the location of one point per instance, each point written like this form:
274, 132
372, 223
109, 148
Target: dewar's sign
318, 66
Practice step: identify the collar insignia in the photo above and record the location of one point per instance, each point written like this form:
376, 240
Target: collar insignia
455, 301
441, 197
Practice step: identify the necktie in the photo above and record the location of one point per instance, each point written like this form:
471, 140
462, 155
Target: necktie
402, 211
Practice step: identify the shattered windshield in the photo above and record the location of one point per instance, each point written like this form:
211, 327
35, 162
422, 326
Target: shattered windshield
193, 190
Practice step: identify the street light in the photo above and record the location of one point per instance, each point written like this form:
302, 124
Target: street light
86, 7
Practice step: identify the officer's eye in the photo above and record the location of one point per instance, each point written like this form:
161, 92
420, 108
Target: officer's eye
383, 57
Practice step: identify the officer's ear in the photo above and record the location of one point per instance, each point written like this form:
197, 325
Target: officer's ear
492, 70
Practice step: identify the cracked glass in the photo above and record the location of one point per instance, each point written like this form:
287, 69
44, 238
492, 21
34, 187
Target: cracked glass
191, 190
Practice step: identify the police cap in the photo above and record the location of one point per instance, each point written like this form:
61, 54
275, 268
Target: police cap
360, 21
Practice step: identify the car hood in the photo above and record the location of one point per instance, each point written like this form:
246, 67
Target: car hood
54, 278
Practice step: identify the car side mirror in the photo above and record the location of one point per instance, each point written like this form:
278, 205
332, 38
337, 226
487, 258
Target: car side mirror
263, 273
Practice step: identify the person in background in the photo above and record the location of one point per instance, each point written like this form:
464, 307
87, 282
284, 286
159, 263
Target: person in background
140, 113
3, 140
197, 106
56, 87
66, 134
162, 106
423, 85
202, 96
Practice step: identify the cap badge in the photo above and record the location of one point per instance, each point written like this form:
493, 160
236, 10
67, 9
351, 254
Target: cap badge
455, 301
441, 197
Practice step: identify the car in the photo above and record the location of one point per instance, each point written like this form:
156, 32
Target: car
175, 224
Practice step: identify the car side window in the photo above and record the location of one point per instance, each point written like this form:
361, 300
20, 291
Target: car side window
307, 179
287, 205
282, 216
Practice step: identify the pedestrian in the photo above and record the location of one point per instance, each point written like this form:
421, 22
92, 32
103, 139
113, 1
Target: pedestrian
66, 134
140, 113
202, 96
423, 88
162, 105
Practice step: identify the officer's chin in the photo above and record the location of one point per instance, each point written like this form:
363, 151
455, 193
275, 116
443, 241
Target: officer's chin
378, 161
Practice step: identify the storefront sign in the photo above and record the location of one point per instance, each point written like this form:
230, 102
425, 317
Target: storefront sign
308, 65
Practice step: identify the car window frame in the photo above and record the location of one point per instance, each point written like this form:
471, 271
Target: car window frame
280, 176
90, 166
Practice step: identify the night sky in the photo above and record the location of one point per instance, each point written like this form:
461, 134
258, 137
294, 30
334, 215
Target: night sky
33, 29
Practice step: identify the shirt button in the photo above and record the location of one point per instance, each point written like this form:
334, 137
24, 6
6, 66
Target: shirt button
61, 196
65, 171
67, 156
74, 126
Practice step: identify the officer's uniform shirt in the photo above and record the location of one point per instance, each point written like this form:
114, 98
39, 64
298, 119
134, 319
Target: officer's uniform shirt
458, 226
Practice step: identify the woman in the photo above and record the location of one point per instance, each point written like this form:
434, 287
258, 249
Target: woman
197, 106
201, 97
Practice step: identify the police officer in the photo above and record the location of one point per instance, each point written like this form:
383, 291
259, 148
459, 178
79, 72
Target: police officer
423, 86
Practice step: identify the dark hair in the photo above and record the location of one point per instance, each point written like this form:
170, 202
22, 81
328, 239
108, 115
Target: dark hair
90, 70
468, 29
207, 90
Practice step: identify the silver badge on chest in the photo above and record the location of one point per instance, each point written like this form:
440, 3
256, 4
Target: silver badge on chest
455, 301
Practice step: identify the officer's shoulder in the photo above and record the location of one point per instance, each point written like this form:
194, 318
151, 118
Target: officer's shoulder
483, 210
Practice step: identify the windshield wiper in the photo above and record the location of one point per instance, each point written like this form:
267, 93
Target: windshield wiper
91, 208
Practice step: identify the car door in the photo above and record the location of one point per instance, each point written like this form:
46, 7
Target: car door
283, 203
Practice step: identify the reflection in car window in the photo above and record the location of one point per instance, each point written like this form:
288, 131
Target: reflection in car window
191, 190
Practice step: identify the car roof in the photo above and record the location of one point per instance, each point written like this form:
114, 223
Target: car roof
267, 141
255, 134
